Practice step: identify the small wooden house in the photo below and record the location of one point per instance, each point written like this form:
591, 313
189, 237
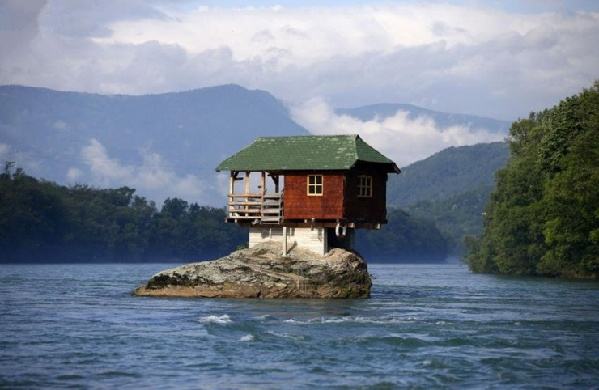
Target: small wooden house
308, 191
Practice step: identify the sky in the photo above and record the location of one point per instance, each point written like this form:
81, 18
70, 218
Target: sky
501, 59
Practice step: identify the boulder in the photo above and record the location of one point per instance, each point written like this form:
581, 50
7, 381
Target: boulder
262, 272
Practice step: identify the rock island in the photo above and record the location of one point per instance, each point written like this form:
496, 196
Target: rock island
263, 272
302, 210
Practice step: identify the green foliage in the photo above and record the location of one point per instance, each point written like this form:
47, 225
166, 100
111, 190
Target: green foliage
42, 221
450, 189
404, 237
448, 173
457, 216
543, 217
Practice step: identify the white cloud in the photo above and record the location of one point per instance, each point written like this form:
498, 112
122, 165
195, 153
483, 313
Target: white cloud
399, 137
152, 177
102, 166
457, 58
311, 34
73, 174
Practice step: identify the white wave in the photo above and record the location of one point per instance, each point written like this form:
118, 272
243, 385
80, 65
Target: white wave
247, 337
350, 319
285, 335
264, 317
224, 319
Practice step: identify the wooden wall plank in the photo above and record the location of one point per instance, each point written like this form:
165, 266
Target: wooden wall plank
298, 205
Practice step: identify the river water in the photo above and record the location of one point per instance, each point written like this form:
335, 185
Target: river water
425, 325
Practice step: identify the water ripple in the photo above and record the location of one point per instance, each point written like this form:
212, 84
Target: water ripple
425, 326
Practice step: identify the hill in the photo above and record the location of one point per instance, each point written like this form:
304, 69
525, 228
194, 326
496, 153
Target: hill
450, 172
450, 189
167, 144
456, 217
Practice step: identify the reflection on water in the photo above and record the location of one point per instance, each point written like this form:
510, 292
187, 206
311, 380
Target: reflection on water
63, 325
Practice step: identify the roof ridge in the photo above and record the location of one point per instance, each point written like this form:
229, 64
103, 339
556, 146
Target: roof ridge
309, 136
305, 152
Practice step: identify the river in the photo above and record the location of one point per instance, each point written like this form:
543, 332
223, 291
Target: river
425, 325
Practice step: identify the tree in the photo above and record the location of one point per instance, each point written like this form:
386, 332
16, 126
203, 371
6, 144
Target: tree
543, 217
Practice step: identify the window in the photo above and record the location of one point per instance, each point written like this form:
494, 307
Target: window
314, 185
365, 186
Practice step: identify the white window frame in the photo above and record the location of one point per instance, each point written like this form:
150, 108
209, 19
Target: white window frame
314, 185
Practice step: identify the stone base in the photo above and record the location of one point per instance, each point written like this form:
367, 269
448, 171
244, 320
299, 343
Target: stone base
262, 272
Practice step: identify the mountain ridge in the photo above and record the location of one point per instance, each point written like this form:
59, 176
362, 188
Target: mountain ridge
179, 136
446, 173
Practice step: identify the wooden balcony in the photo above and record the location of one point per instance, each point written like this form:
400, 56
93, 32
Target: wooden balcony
255, 208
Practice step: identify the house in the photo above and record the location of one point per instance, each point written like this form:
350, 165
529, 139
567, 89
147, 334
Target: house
307, 191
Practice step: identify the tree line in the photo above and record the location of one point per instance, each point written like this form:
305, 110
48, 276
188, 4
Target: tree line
543, 217
41, 221
44, 221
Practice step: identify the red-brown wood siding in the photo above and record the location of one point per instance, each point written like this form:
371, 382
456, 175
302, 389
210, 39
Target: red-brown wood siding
373, 209
298, 205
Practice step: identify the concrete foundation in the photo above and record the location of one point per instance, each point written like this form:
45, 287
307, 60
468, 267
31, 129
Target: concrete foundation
317, 239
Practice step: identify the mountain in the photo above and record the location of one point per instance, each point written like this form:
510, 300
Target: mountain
442, 119
450, 188
167, 145
452, 171
170, 143
456, 216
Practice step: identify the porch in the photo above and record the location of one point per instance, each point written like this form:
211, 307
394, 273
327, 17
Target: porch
259, 206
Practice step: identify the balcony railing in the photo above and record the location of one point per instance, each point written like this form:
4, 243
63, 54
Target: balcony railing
256, 208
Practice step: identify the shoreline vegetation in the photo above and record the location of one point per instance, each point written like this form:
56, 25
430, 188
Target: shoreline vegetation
543, 217
44, 222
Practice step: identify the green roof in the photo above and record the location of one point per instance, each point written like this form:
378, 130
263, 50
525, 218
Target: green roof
313, 152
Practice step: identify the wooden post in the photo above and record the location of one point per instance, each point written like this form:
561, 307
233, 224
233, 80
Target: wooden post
263, 182
232, 183
262, 192
284, 241
231, 192
246, 191
246, 183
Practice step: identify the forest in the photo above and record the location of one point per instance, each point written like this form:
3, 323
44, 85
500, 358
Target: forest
543, 217
41, 221
450, 188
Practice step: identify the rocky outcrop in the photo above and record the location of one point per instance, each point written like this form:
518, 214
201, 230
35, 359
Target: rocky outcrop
262, 272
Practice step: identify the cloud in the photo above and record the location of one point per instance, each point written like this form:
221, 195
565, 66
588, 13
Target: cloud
4, 149
152, 177
73, 174
18, 24
457, 58
399, 137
